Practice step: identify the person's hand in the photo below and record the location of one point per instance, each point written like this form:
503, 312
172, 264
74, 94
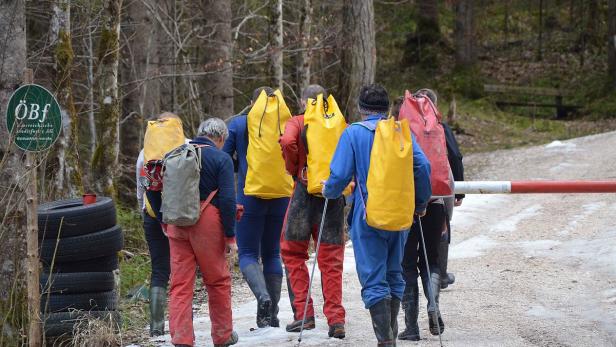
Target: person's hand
457, 202
421, 213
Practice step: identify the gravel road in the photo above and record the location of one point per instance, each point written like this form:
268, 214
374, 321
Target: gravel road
531, 270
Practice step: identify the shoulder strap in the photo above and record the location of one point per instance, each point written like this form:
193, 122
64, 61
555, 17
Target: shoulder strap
368, 125
208, 200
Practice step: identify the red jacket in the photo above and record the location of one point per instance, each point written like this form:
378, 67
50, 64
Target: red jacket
293, 148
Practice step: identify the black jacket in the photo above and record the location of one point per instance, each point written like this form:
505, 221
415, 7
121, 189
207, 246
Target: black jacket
455, 157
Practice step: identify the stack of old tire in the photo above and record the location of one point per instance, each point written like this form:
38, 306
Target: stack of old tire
79, 245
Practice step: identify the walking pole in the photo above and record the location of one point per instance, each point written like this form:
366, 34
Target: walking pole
431, 291
316, 255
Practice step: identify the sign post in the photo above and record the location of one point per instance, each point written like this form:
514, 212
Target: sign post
34, 121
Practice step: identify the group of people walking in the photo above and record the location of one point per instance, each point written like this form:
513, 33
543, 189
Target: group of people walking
273, 229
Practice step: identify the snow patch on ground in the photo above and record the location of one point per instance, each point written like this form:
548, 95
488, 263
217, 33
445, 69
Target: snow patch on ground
538, 246
545, 313
566, 146
588, 210
510, 224
473, 247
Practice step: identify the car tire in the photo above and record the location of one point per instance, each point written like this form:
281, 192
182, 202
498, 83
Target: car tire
76, 283
63, 323
71, 217
101, 264
101, 301
94, 245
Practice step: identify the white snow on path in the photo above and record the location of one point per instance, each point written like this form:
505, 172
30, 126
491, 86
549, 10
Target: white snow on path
510, 224
567, 146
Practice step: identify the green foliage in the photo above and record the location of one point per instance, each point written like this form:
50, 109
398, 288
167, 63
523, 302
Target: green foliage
134, 272
132, 225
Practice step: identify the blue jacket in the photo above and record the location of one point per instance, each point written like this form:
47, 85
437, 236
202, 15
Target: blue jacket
236, 146
352, 158
217, 173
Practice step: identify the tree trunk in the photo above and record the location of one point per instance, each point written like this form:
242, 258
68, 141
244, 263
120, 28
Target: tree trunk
464, 33
13, 181
141, 97
305, 55
218, 55
105, 158
67, 181
359, 54
276, 42
611, 48
428, 30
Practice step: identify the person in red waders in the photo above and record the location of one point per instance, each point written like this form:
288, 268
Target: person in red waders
302, 222
207, 243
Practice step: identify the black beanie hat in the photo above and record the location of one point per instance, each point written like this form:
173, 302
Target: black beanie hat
373, 99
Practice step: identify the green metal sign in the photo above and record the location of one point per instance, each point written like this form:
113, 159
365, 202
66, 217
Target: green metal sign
33, 118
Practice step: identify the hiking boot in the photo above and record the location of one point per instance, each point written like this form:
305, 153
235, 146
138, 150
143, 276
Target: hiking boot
256, 281
182, 346
447, 280
274, 284
296, 326
158, 303
395, 309
410, 305
381, 323
337, 331
434, 314
231, 341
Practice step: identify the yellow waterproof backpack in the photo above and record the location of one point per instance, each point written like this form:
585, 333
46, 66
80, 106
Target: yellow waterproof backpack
161, 136
324, 124
267, 177
391, 183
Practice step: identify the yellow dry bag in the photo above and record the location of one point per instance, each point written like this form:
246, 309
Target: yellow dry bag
391, 183
324, 126
267, 177
161, 136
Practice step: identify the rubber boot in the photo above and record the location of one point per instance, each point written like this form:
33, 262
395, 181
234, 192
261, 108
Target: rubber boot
381, 323
256, 281
434, 312
443, 255
410, 305
274, 285
395, 309
158, 304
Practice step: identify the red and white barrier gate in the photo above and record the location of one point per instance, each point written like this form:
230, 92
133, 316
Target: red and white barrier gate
528, 187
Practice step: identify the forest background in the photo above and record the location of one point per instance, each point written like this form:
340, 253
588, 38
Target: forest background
112, 64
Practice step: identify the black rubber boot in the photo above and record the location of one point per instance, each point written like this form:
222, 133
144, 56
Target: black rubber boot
395, 309
381, 323
443, 256
410, 305
290, 290
158, 303
274, 284
256, 281
434, 312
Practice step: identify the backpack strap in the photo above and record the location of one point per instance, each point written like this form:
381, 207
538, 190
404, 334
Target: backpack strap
208, 200
368, 125
371, 127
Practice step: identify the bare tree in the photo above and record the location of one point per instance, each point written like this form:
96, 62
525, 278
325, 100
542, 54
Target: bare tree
305, 54
13, 179
218, 54
464, 33
276, 44
359, 53
428, 30
105, 157
611, 45
67, 182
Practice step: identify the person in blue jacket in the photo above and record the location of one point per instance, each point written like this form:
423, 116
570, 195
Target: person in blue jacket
258, 231
378, 253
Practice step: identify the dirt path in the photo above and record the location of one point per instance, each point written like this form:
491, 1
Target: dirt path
533, 270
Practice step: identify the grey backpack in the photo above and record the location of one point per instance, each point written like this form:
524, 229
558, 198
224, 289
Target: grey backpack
181, 203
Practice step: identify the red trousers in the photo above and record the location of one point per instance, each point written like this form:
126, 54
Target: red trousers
202, 244
330, 259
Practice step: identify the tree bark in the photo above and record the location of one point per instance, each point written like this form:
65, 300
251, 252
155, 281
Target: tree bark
13, 182
67, 181
305, 55
276, 43
105, 158
218, 54
611, 46
358, 55
464, 33
428, 29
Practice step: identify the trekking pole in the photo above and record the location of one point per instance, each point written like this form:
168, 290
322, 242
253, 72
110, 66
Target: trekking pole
316, 255
431, 291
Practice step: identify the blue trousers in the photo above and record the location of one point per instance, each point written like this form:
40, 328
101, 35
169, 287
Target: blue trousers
378, 258
258, 233
158, 246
